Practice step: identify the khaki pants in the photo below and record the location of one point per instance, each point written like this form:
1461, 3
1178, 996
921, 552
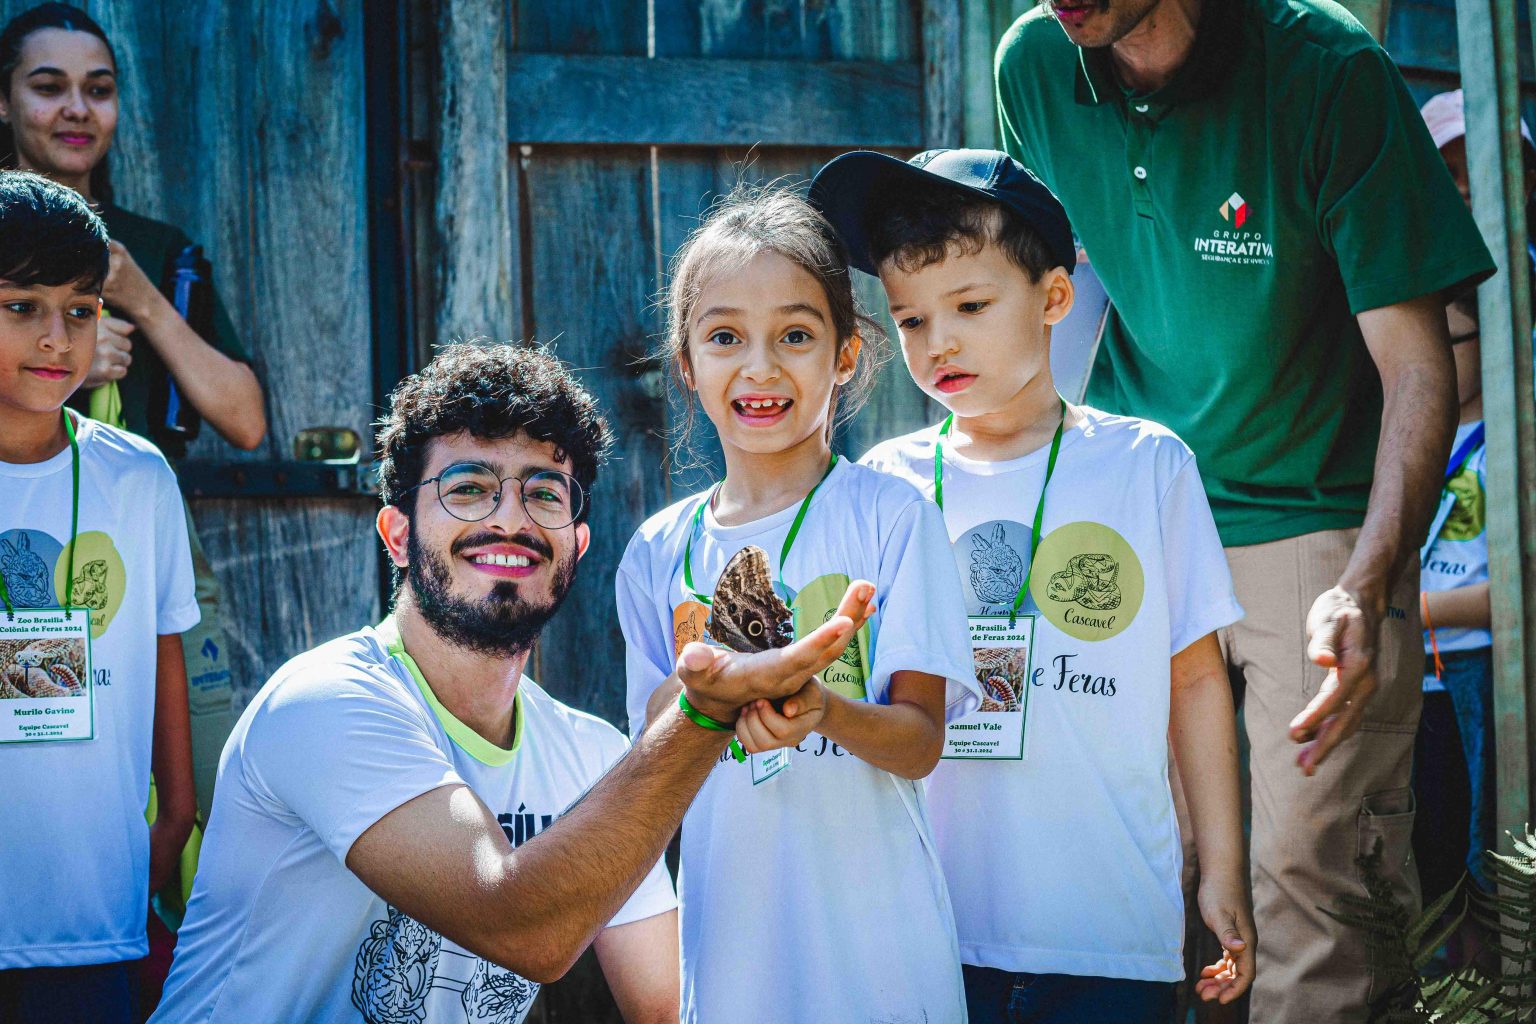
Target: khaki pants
1307, 833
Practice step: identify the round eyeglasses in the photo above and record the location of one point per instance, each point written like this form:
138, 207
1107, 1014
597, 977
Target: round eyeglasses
471, 492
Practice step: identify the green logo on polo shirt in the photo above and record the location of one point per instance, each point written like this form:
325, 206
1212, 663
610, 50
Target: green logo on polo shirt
1087, 581
1236, 246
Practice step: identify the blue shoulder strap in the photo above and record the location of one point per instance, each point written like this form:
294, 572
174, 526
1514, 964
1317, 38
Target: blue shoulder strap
1464, 451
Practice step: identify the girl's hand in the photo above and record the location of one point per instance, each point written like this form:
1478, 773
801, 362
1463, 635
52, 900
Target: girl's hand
127, 287
761, 728
1225, 911
114, 352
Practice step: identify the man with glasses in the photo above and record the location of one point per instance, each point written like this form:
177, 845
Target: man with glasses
383, 845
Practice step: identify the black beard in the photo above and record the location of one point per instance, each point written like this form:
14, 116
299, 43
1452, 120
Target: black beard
501, 625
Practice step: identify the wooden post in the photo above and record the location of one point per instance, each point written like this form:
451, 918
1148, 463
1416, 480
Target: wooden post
1487, 38
979, 39
475, 278
943, 70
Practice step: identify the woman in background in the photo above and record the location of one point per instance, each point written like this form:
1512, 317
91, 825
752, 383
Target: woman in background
59, 107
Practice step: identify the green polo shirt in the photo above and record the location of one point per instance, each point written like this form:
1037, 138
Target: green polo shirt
1240, 217
154, 246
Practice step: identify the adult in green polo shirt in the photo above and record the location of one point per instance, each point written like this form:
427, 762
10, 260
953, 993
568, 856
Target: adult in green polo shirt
1257, 191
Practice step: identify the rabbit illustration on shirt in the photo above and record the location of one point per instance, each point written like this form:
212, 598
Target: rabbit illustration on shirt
28, 578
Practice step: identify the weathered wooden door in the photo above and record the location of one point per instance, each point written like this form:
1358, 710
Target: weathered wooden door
243, 124
558, 153
565, 150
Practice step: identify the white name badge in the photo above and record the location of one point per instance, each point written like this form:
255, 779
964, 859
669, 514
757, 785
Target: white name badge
45, 676
995, 731
766, 766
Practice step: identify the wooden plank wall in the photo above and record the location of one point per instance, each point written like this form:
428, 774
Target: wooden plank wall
611, 158
243, 125
596, 206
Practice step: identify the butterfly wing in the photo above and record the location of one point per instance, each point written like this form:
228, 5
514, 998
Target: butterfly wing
746, 614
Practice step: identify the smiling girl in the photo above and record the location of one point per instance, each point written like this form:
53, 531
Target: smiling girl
810, 889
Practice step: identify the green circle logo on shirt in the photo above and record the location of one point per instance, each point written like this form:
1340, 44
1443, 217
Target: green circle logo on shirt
1087, 581
813, 606
100, 578
1468, 516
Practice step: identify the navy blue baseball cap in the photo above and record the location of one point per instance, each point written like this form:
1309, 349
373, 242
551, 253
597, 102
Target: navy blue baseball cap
851, 190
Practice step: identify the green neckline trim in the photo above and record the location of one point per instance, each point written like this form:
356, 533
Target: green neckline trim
471, 742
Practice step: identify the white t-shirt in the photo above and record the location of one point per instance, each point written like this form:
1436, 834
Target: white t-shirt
1459, 555
73, 839
278, 929
816, 896
1068, 861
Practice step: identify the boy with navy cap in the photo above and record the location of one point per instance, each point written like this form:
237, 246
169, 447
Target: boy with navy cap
1095, 585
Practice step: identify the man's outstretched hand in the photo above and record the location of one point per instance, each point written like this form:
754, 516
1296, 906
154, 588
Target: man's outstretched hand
1341, 637
719, 681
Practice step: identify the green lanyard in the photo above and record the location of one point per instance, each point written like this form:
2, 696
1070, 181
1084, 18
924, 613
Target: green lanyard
1034, 533
74, 529
789, 540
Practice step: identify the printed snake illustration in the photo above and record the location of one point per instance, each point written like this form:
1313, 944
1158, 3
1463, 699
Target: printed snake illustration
1090, 580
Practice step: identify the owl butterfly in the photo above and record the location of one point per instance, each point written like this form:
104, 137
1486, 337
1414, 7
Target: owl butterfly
747, 615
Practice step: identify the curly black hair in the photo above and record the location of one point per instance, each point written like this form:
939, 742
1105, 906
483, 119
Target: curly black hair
491, 392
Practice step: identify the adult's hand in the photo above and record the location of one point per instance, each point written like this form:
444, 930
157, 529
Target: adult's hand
1409, 344
127, 287
719, 681
114, 352
224, 390
1341, 637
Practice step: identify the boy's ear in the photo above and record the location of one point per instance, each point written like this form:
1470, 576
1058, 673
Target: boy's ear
848, 358
1058, 296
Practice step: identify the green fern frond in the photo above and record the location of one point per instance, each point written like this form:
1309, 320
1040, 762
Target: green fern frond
1400, 945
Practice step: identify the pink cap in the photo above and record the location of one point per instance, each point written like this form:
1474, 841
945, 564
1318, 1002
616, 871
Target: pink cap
1445, 114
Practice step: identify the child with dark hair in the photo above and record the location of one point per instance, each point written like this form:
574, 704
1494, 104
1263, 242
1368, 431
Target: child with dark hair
58, 117
810, 887
155, 372
1095, 586
96, 582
